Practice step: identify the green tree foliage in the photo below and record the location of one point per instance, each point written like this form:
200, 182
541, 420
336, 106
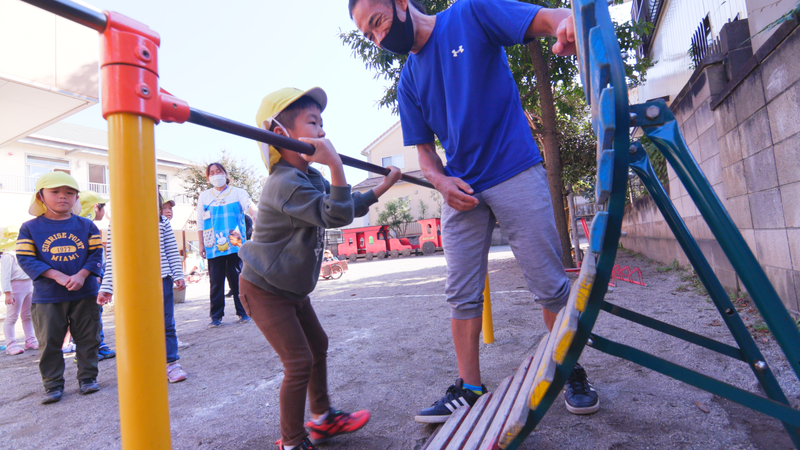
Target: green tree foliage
423, 210
241, 174
438, 200
396, 214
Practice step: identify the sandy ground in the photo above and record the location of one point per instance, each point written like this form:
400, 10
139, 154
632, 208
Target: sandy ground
391, 353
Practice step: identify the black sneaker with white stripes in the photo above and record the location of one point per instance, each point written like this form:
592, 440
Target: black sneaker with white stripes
455, 397
579, 395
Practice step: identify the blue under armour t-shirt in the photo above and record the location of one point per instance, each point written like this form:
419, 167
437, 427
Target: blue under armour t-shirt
459, 87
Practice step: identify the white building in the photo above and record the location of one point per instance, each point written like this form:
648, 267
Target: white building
83, 153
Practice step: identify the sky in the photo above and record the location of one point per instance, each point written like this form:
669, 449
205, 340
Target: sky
223, 57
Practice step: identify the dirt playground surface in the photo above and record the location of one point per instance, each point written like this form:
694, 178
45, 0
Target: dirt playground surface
391, 353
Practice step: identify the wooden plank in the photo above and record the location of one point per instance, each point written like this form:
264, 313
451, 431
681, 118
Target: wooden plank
449, 428
565, 334
430, 439
490, 440
519, 412
579, 295
546, 370
469, 422
486, 418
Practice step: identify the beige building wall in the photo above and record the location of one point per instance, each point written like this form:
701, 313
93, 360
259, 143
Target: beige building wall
390, 145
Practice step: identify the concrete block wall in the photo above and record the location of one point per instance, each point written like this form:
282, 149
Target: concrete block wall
745, 135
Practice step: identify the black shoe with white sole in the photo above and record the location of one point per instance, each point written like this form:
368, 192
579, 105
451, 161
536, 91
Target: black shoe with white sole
579, 395
455, 397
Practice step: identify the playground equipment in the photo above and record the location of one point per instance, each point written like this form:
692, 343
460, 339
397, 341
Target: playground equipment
374, 242
509, 415
133, 104
333, 270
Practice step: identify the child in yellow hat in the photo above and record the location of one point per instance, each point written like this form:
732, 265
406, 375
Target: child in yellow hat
282, 261
62, 253
93, 207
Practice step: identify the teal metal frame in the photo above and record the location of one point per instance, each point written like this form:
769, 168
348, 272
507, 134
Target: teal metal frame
603, 77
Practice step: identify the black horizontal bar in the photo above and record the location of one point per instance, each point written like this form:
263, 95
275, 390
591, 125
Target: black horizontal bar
782, 412
73, 11
679, 333
218, 123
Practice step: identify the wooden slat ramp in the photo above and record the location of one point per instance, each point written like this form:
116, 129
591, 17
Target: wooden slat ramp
497, 418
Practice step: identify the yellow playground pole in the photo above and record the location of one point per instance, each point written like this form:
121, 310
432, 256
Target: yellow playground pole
139, 310
488, 326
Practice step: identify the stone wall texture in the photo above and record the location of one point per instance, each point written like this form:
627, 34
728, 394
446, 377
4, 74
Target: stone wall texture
745, 135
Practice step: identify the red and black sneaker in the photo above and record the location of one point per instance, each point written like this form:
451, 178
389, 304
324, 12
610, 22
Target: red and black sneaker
305, 445
337, 423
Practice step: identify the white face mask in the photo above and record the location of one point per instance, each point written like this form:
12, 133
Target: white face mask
217, 180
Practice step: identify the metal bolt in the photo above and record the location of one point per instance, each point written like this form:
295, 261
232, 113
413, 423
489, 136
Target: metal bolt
590, 342
632, 149
760, 365
145, 90
633, 118
652, 112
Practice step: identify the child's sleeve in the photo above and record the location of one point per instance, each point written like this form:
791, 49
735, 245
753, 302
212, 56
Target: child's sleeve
94, 259
27, 255
5, 272
314, 208
245, 201
200, 211
108, 279
171, 249
362, 202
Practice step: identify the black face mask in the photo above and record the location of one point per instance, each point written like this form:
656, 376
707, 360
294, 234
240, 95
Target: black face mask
400, 37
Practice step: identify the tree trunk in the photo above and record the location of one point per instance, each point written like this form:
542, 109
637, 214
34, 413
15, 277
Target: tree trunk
549, 138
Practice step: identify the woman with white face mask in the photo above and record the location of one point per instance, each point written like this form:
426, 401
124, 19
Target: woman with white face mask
221, 230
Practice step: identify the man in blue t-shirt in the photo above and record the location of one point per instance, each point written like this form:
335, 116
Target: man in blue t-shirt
456, 85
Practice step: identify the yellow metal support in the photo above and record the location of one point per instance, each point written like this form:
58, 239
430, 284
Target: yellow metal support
488, 325
139, 309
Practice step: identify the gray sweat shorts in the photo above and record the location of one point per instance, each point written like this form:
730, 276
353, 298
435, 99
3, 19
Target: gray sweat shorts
523, 208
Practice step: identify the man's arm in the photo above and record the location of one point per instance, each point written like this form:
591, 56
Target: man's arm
454, 190
557, 23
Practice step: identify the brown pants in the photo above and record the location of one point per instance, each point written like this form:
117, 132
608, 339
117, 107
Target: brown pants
294, 332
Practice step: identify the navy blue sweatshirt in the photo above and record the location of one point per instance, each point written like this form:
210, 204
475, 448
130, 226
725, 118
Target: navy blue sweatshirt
64, 245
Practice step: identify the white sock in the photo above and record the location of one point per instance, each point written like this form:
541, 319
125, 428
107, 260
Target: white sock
289, 447
321, 419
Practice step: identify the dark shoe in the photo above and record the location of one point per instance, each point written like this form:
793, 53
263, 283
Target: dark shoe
215, 323
229, 294
335, 424
105, 353
245, 319
305, 445
579, 395
89, 386
455, 397
52, 395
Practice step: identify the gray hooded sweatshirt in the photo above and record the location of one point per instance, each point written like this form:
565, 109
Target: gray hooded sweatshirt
295, 208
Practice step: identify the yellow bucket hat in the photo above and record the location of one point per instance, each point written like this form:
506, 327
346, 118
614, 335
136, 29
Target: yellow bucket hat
88, 200
272, 105
8, 239
48, 181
